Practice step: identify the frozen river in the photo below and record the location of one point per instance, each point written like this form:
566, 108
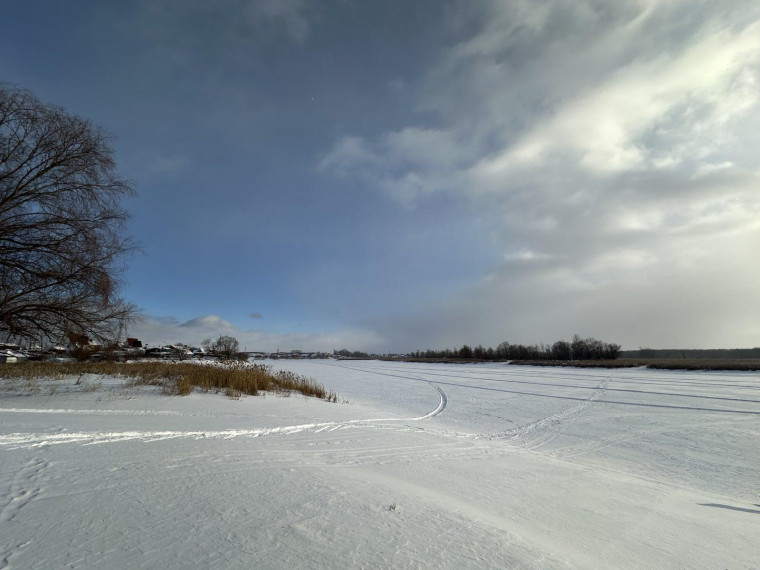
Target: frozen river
696, 428
421, 466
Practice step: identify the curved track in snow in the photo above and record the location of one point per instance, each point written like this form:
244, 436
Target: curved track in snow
32, 440
527, 468
537, 428
439, 409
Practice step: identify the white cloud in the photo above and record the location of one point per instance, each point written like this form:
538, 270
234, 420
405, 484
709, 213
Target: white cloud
209, 323
610, 94
608, 145
166, 330
525, 255
689, 97
407, 164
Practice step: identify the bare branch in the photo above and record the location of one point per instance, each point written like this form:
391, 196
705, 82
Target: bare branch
61, 224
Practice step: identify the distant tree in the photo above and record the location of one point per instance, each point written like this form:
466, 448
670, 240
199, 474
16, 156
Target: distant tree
578, 348
61, 224
612, 351
561, 350
226, 346
595, 349
646, 352
350, 354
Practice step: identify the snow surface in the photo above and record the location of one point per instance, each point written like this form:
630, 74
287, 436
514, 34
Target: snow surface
434, 466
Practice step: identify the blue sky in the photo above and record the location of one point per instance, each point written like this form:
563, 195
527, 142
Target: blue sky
402, 175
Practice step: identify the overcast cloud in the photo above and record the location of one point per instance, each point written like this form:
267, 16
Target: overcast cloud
613, 143
424, 174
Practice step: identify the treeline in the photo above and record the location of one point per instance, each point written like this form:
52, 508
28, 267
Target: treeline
576, 349
345, 353
694, 354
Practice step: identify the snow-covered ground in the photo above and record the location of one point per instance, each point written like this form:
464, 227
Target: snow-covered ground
458, 466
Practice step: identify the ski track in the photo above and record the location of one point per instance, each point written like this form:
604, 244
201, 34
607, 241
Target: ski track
537, 394
534, 429
376, 460
578, 450
533, 434
92, 412
33, 440
539, 430
441, 406
729, 379
471, 376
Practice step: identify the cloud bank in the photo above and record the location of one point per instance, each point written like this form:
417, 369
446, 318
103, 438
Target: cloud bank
609, 148
423, 174
167, 330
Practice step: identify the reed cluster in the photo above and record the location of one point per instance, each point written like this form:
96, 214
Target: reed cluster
233, 378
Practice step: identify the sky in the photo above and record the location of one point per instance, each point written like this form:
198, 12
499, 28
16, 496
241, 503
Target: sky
393, 176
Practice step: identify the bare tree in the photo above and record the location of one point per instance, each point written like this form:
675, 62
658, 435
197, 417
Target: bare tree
61, 224
561, 350
226, 346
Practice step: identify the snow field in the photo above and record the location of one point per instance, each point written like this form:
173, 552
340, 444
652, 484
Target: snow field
487, 466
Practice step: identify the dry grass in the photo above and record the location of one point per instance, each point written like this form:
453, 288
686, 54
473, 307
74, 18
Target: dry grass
234, 378
699, 364
425, 360
619, 363
663, 364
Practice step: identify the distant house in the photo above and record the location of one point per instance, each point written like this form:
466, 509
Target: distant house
158, 351
77, 339
8, 355
133, 343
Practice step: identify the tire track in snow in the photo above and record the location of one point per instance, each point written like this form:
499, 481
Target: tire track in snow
581, 449
32, 440
630, 383
539, 428
92, 412
439, 409
514, 380
571, 398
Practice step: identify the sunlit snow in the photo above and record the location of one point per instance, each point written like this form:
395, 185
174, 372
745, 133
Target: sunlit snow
439, 466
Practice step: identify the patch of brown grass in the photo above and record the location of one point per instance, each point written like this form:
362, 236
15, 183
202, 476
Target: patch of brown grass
619, 363
661, 364
699, 364
233, 378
